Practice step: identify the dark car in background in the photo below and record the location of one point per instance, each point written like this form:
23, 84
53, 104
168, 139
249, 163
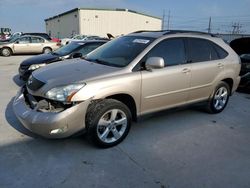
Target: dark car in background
75, 49
242, 47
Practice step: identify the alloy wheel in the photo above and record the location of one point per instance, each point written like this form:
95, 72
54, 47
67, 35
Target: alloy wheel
112, 125
220, 98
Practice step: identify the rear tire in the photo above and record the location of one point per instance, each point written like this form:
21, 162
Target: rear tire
108, 122
6, 52
220, 98
47, 50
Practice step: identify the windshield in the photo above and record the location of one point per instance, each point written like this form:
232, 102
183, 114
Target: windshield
119, 52
14, 38
67, 49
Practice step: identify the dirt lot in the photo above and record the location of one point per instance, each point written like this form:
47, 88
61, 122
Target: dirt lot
179, 148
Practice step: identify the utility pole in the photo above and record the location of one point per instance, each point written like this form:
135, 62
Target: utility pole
163, 20
169, 20
209, 25
236, 28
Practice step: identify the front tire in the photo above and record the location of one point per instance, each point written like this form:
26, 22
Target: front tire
6, 52
108, 122
220, 98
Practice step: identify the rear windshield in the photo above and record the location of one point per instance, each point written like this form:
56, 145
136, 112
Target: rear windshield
120, 52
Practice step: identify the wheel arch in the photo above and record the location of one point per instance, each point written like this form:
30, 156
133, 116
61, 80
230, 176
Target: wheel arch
230, 82
47, 47
128, 100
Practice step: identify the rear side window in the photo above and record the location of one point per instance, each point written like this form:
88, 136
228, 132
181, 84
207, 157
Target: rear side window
37, 40
220, 51
201, 50
171, 50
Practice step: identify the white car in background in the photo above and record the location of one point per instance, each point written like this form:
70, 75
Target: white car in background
79, 37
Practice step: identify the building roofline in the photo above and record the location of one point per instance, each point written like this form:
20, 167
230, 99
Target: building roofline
106, 9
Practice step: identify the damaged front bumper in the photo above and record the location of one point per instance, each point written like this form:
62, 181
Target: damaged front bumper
55, 123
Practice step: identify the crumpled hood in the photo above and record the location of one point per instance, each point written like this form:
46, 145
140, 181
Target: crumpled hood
71, 71
39, 59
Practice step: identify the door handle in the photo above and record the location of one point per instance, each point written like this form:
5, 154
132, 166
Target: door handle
220, 65
186, 70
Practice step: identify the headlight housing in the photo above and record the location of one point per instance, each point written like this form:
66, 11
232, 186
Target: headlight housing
64, 93
36, 66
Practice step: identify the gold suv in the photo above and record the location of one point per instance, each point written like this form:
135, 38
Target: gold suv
133, 75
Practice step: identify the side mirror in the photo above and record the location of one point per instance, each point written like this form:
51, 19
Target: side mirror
76, 55
155, 63
17, 42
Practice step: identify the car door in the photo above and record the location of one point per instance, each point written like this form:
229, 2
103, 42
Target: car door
37, 44
166, 87
22, 45
206, 66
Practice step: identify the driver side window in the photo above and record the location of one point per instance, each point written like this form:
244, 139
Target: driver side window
171, 50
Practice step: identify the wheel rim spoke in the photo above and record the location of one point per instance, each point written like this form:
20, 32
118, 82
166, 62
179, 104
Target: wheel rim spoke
121, 121
104, 122
116, 133
216, 103
105, 134
113, 114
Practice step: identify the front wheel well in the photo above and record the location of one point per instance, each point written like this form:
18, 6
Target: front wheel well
230, 82
128, 101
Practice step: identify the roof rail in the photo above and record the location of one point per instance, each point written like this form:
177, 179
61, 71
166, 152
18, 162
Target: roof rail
187, 31
140, 31
166, 32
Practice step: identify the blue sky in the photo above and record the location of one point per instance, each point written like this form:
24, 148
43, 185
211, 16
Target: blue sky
29, 15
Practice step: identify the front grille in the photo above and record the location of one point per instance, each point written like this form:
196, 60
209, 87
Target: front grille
34, 84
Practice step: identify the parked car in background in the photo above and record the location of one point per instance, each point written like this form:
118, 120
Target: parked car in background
82, 38
13, 37
73, 50
130, 76
28, 44
44, 35
242, 47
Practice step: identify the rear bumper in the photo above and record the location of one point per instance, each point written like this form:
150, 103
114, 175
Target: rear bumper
51, 124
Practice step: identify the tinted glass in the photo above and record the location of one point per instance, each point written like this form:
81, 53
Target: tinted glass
68, 49
201, 50
171, 50
120, 52
24, 40
84, 50
37, 40
44, 35
220, 51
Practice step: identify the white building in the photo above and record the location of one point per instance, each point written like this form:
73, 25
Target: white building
99, 22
